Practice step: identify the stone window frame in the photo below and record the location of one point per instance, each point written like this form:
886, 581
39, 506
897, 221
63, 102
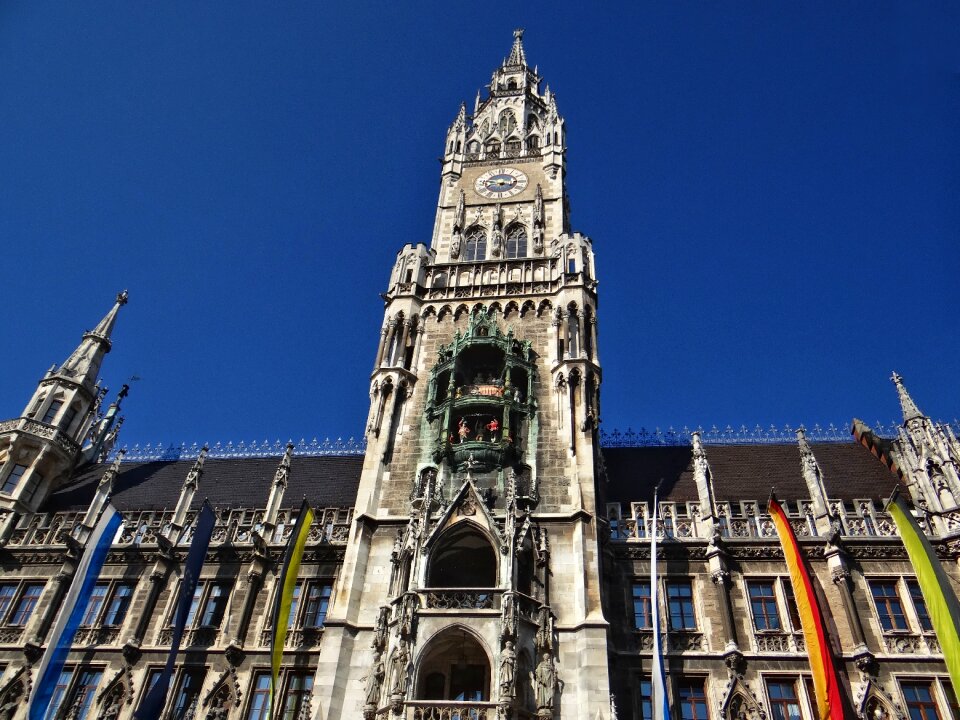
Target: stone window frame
283, 685
113, 586
803, 686
907, 602
940, 692
20, 586
69, 695
788, 614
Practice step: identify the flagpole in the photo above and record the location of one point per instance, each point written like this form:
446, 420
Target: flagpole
659, 705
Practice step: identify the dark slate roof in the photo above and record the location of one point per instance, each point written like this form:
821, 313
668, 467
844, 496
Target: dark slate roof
326, 481
744, 472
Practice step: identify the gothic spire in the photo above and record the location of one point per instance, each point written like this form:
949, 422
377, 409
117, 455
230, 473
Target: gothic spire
517, 55
909, 407
85, 360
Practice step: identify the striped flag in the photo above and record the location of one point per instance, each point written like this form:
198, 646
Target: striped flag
283, 597
938, 594
152, 705
658, 681
826, 685
72, 609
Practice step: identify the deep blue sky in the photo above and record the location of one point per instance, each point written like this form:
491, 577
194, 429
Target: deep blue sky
772, 193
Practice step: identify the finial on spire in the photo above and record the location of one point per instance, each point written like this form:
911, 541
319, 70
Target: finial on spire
517, 56
909, 407
122, 297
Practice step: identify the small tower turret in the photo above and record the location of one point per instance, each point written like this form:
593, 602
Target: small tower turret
40, 449
930, 458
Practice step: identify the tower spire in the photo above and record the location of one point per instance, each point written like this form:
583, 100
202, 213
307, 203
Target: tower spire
517, 55
84, 362
909, 407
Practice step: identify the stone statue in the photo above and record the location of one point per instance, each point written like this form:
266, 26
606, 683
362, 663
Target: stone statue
496, 242
380, 633
545, 682
407, 610
11, 702
111, 706
508, 619
375, 680
399, 666
508, 664
455, 245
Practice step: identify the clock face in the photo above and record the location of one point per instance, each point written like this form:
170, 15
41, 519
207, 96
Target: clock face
500, 183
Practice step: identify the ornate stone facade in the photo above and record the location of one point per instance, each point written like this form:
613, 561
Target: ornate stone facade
478, 554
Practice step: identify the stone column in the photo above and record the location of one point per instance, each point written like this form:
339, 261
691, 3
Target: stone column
401, 348
61, 581
383, 346
721, 579
593, 337
254, 583
565, 334
158, 579
580, 335
841, 578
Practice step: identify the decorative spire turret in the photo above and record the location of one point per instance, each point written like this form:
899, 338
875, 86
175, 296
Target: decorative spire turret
43, 446
190, 485
517, 55
100, 498
907, 405
279, 486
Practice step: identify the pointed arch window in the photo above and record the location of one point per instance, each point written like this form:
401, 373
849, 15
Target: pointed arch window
475, 244
516, 241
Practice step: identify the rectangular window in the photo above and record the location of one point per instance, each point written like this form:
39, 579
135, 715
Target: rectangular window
294, 604
693, 699
59, 692
887, 601
187, 693
298, 688
95, 604
215, 605
6, 598
118, 605
194, 606
27, 601
642, 612
916, 596
76, 691
84, 693
13, 479
784, 703
920, 702
318, 600
812, 697
259, 697
792, 610
646, 700
52, 411
680, 600
763, 604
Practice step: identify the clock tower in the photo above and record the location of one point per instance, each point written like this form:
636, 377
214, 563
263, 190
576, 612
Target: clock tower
470, 586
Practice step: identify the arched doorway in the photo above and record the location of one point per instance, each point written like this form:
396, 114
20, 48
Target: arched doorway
462, 558
454, 666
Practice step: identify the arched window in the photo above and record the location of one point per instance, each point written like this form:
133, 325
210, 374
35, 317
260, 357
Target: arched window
475, 244
493, 148
462, 557
507, 123
533, 142
512, 85
454, 666
516, 241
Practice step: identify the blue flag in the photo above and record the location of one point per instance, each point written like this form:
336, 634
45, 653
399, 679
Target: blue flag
153, 703
71, 610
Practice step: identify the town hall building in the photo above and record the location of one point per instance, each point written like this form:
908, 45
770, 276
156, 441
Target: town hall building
484, 553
